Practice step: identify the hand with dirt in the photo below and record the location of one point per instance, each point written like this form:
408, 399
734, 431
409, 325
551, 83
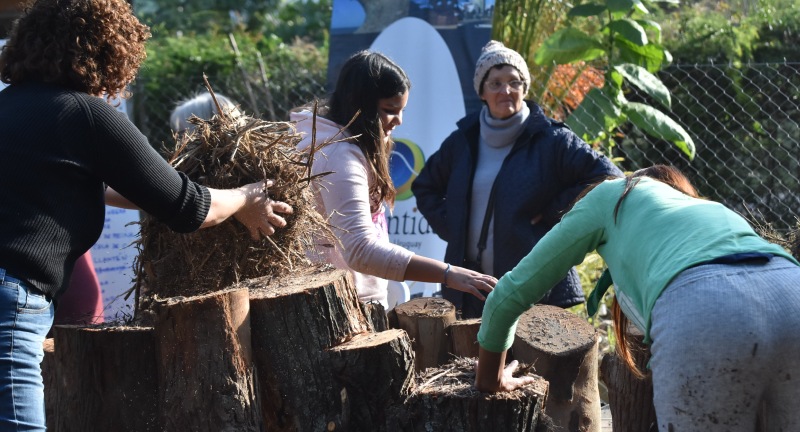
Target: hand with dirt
469, 281
250, 205
258, 215
496, 378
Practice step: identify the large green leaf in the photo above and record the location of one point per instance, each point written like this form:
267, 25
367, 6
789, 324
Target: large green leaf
622, 5
597, 114
586, 10
657, 124
646, 82
630, 30
652, 25
568, 45
651, 56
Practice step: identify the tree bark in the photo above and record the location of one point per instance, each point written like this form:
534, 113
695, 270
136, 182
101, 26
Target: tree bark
463, 336
445, 400
377, 371
425, 320
106, 379
563, 348
376, 314
205, 366
630, 398
294, 319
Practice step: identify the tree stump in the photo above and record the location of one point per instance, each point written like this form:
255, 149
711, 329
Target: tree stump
106, 379
463, 336
562, 348
294, 319
377, 371
205, 366
445, 400
630, 398
376, 314
425, 320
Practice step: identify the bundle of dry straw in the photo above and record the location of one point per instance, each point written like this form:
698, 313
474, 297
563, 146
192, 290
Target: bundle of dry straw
226, 152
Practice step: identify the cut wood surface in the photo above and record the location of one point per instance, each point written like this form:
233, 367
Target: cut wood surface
425, 320
463, 336
563, 348
205, 368
445, 400
105, 379
295, 318
377, 371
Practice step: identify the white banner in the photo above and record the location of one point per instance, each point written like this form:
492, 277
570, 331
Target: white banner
435, 104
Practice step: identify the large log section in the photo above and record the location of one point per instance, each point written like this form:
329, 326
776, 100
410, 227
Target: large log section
294, 320
445, 400
563, 348
377, 371
205, 363
426, 320
630, 398
101, 379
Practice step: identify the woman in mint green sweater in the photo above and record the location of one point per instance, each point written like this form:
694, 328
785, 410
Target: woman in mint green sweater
719, 305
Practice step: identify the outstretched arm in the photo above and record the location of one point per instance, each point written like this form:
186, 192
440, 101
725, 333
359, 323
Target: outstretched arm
248, 204
424, 269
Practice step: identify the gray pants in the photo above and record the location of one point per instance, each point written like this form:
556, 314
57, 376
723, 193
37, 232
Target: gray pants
725, 338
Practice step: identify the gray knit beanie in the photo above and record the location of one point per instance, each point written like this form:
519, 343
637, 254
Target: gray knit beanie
494, 54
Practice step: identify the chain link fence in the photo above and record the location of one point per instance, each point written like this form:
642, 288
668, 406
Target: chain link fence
744, 120
256, 95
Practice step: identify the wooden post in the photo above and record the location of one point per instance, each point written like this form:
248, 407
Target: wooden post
294, 319
425, 320
377, 371
445, 400
563, 348
106, 379
630, 399
463, 336
205, 365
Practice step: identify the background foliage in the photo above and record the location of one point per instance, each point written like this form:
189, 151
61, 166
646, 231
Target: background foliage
269, 56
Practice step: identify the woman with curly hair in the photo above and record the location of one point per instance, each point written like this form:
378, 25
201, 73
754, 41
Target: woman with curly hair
68, 153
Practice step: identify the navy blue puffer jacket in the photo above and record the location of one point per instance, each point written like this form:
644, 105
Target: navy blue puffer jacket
545, 171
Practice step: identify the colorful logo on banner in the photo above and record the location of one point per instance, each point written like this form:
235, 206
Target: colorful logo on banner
406, 162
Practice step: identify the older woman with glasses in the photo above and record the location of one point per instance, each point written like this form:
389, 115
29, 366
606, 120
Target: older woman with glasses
503, 178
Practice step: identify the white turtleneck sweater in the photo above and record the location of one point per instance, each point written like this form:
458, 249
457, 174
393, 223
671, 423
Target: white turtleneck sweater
497, 137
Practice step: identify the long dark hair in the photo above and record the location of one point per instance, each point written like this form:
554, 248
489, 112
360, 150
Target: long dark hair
365, 78
674, 178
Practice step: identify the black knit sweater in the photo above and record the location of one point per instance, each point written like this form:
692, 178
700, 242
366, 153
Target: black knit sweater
58, 148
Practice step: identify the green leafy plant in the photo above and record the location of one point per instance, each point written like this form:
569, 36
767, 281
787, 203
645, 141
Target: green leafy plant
629, 45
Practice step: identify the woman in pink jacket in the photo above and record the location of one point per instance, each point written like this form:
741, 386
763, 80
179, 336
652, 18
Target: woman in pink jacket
372, 92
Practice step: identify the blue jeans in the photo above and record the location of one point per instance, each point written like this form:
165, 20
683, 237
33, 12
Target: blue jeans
25, 318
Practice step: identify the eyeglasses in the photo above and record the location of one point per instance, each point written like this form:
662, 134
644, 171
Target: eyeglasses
496, 86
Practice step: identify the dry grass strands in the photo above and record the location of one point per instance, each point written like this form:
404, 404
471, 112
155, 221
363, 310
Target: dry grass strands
790, 241
224, 153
